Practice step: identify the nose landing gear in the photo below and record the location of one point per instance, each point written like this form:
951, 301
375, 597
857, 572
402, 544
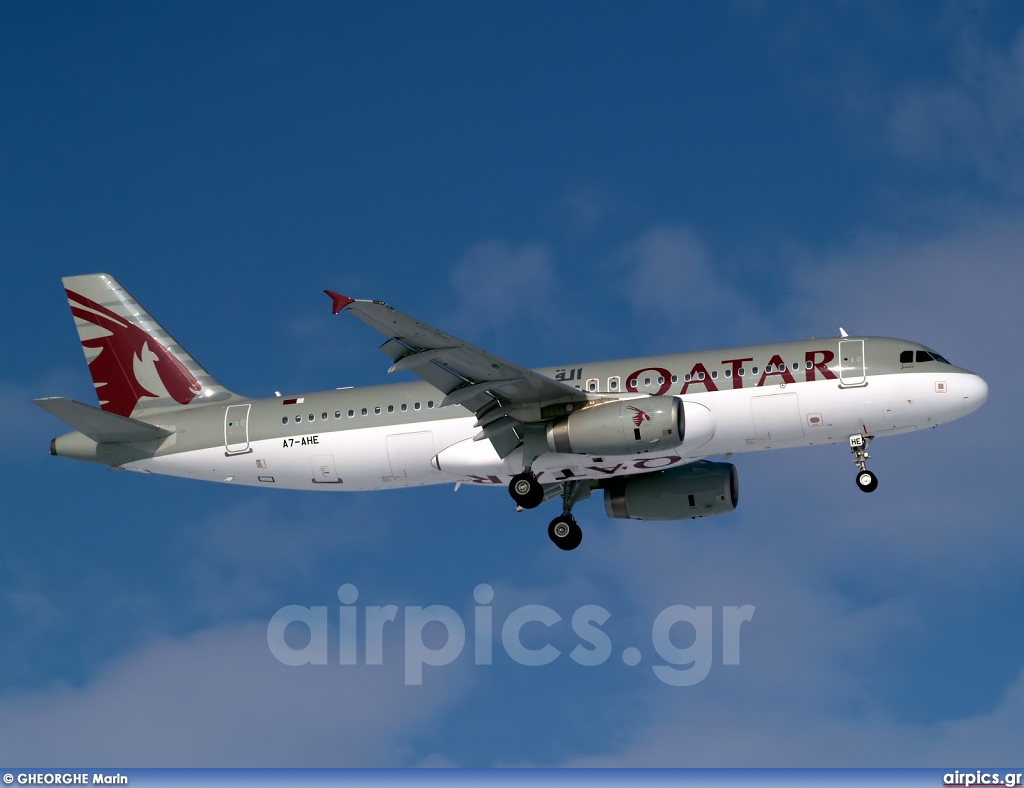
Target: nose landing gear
866, 480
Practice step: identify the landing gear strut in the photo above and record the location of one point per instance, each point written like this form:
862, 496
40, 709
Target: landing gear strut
866, 480
564, 531
525, 490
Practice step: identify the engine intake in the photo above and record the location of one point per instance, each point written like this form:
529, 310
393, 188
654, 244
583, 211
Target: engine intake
627, 426
698, 490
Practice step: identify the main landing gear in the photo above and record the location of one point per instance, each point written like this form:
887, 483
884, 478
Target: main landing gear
866, 480
564, 531
528, 493
525, 490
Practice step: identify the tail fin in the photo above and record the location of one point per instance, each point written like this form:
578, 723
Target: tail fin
135, 365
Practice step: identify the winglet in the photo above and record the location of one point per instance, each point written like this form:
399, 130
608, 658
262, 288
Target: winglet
340, 301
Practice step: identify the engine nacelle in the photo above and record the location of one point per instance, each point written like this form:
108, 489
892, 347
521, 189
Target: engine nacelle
625, 426
690, 491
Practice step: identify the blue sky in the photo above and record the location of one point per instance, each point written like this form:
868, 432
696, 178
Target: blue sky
557, 183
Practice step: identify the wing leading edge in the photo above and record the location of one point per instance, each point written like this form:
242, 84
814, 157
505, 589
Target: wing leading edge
504, 396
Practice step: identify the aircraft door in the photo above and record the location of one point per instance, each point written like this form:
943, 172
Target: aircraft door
777, 417
410, 454
323, 469
236, 429
851, 362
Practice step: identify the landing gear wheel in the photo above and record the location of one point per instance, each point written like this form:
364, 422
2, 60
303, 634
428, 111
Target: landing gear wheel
867, 481
526, 491
565, 532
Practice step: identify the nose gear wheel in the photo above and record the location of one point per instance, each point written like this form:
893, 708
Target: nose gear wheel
866, 480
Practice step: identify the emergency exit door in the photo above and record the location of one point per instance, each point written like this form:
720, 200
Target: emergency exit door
851, 362
236, 429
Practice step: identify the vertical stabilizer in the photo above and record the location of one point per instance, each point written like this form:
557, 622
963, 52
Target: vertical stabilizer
135, 365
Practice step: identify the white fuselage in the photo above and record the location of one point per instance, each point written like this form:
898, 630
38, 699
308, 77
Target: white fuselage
371, 456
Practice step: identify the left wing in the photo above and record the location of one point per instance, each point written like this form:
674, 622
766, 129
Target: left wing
503, 395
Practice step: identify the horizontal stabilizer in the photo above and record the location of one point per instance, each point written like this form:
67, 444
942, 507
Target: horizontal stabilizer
100, 425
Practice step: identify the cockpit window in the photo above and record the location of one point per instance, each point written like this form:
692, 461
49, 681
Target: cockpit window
907, 357
939, 358
924, 355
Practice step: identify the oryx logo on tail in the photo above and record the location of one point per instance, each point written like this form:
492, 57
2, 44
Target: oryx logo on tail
126, 363
639, 416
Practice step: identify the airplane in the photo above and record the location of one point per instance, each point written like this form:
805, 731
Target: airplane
642, 430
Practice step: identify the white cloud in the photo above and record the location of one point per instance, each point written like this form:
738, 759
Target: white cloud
501, 284
240, 558
670, 281
219, 698
973, 122
957, 290
779, 731
585, 206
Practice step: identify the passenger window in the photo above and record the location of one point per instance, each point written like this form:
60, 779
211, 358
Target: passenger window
312, 417
337, 414
351, 413
768, 368
810, 364
364, 411
714, 374
675, 378
391, 408
907, 357
323, 416
592, 384
661, 380
700, 376
632, 383
782, 367
613, 383
686, 377
430, 403
753, 370
298, 419
647, 381
284, 420
404, 407
742, 372
376, 410
923, 355
728, 373
415, 406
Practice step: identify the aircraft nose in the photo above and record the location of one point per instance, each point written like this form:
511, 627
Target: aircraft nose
974, 391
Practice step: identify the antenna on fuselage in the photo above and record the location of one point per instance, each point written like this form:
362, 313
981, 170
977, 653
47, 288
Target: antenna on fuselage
842, 332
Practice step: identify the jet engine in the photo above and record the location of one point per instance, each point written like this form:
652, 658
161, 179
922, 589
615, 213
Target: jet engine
690, 491
625, 426
632, 426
